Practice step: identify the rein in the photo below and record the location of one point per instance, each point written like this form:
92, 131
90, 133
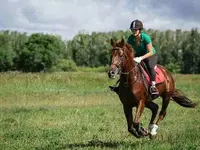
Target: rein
127, 75
129, 71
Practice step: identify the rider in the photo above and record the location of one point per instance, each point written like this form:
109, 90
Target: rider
144, 51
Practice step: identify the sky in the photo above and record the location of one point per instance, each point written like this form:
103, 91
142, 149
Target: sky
69, 17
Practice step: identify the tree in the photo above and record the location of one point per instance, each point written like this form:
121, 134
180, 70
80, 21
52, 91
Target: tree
41, 52
191, 53
6, 52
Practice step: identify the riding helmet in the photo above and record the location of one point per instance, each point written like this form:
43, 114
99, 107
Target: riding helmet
136, 24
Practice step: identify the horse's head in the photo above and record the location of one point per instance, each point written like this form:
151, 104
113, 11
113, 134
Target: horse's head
119, 54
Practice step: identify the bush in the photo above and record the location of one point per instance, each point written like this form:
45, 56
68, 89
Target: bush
65, 65
173, 67
94, 69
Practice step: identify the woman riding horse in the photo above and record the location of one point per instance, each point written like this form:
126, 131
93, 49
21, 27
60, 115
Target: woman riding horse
133, 92
144, 51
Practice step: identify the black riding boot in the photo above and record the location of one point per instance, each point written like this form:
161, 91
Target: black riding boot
153, 89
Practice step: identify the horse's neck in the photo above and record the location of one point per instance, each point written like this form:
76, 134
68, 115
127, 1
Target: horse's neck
131, 72
129, 64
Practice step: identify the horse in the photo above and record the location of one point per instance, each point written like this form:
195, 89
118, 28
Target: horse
133, 91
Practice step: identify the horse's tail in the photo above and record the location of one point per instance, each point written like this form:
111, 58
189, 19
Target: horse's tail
182, 100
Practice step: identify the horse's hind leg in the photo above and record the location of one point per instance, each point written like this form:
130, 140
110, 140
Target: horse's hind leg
154, 109
152, 124
165, 102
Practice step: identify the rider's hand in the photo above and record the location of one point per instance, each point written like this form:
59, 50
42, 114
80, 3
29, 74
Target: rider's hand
138, 59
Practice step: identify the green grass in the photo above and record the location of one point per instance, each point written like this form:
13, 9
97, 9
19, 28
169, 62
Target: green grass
77, 111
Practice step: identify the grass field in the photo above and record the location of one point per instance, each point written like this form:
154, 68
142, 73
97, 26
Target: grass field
48, 111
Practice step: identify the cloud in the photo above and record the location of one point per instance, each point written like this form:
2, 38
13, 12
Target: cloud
67, 18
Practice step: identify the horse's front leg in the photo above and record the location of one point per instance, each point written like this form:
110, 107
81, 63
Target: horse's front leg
129, 118
137, 125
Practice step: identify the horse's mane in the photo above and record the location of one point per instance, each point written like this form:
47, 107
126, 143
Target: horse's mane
129, 47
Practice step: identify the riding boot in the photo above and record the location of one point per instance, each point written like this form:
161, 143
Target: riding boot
153, 90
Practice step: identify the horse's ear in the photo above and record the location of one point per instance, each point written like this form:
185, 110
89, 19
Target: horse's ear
122, 41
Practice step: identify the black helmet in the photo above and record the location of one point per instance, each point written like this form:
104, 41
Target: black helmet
136, 24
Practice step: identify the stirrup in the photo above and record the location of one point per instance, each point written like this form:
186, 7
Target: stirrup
154, 90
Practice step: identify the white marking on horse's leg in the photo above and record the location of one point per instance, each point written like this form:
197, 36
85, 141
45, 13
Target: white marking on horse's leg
153, 129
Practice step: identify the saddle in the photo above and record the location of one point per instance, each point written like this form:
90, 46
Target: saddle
159, 74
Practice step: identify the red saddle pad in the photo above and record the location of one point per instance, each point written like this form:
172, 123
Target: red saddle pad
159, 75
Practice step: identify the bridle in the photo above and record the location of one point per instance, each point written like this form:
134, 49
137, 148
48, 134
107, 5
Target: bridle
122, 57
120, 65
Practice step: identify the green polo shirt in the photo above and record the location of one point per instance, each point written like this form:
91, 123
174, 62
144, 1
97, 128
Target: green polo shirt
142, 48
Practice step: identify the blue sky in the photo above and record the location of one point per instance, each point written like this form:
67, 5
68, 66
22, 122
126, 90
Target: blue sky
68, 17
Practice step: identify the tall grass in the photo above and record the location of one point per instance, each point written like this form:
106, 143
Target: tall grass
75, 110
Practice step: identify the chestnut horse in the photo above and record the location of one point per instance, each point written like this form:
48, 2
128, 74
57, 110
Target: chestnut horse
132, 90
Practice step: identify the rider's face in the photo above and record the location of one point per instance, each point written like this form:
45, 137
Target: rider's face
135, 32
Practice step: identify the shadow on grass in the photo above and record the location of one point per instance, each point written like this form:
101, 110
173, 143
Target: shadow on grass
26, 110
95, 143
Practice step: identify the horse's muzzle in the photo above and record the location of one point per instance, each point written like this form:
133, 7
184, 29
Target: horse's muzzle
113, 72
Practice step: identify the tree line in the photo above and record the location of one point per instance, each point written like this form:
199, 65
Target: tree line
177, 50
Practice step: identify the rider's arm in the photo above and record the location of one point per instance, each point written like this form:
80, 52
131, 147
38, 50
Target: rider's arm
148, 42
150, 51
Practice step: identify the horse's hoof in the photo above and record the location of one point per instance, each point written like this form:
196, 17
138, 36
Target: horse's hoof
153, 129
144, 132
134, 132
